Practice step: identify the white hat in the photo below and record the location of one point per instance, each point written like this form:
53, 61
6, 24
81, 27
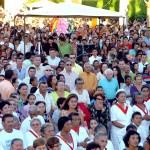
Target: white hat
120, 90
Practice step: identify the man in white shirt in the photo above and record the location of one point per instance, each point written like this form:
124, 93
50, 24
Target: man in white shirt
143, 63
53, 60
37, 65
33, 112
27, 45
94, 57
31, 73
42, 95
8, 134
70, 76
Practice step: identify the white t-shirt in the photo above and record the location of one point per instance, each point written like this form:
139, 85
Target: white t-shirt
84, 97
6, 138
25, 126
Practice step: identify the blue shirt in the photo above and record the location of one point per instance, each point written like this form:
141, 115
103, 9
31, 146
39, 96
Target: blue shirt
43, 79
110, 87
133, 52
21, 73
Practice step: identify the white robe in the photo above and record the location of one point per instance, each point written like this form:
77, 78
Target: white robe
125, 119
145, 124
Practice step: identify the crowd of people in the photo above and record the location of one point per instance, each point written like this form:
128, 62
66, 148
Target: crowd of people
86, 90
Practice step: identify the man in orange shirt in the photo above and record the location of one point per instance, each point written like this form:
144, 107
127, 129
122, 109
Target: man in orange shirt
6, 87
90, 80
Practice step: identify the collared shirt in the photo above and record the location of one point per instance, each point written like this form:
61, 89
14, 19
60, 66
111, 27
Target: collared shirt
22, 73
110, 87
53, 61
48, 99
141, 66
77, 69
70, 78
92, 58
90, 80
39, 71
6, 89
27, 63
25, 126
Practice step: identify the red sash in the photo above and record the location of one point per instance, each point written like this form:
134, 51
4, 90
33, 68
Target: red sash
144, 111
33, 133
76, 129
147, 99
122, 109
1, 117
72, 148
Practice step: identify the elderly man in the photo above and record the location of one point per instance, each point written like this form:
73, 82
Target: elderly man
8, 134
33, 112
90, 79
47, 73
70, 76
42, 95
110, 85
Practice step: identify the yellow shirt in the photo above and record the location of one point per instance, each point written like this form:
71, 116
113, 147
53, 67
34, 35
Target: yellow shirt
55, 96
77, 69
90, 80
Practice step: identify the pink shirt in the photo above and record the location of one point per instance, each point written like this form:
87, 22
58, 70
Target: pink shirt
6, 89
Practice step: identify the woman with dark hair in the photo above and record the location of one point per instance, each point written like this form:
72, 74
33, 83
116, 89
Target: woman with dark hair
139, 106
121, 117
51, 82
117, 75
67, 137
100, 110
100, 74
42, 111
135, 68
71, 105
53, 143
15, 83
23, 92
132, 140
60, 91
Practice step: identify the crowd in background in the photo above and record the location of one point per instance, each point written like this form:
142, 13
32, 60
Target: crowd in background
88, 89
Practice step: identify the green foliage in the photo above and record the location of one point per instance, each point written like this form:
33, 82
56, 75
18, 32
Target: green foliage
137, 9
33, 1
57, 1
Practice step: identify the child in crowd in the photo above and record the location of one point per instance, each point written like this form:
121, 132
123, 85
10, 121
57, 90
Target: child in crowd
30, 101
93, 123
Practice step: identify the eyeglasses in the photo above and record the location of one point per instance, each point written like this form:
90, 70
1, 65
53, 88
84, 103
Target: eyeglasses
68, 64
57, 145
37, 124
80, 83
48, 70
72, 57
145, 91
12, 104
99, 99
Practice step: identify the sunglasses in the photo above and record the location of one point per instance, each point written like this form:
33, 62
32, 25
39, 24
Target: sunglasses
72, 57
68, 64
48, 70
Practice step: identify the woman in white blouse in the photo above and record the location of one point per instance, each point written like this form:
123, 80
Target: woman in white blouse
34, 133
